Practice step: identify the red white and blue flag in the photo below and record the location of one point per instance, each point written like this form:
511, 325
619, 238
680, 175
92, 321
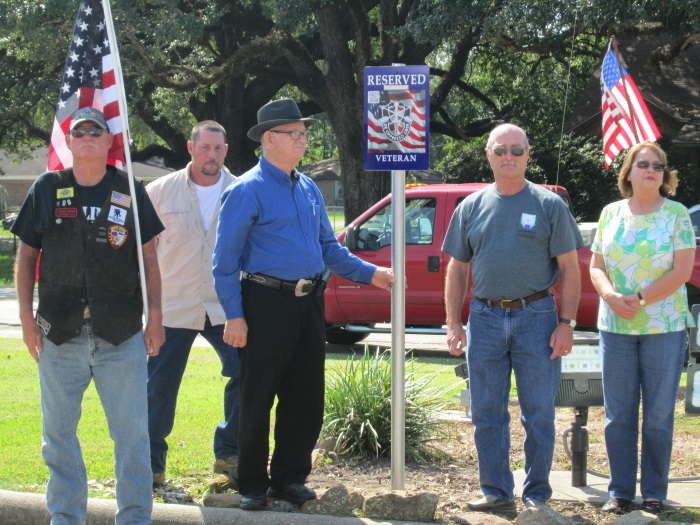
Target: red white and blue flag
88, 81
397, 121
624, 125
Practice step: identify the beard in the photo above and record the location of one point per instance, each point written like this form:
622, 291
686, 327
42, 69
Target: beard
211, 169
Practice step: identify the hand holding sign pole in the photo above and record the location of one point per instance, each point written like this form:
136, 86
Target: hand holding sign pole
396, 138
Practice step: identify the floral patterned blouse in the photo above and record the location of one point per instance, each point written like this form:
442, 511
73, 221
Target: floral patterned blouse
638, 250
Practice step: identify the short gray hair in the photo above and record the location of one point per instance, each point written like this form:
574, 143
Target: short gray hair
500, 127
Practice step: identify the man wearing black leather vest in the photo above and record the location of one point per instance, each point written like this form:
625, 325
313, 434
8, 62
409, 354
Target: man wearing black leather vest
88, 324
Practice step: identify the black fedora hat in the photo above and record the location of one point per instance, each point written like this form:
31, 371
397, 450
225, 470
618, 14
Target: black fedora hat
276, 113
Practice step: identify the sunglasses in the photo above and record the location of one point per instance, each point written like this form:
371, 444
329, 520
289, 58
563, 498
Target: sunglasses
502, 151
644, 164
79, 133
296, 135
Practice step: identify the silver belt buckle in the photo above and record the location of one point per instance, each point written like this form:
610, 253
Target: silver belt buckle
299, 288
256, 278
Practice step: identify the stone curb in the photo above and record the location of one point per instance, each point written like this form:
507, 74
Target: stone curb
21, 508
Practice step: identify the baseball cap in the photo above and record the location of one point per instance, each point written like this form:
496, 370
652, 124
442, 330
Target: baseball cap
88, 115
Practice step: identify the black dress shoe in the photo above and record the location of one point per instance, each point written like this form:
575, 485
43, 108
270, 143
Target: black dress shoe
653, 506
616, 505
254, 501
294, 493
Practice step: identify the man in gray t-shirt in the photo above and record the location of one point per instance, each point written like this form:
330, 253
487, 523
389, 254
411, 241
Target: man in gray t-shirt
518, 239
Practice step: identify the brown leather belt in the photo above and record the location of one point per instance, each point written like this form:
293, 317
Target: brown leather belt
299, 288
514, 304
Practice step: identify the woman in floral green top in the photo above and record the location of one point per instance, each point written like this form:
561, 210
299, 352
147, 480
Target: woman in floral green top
643, 254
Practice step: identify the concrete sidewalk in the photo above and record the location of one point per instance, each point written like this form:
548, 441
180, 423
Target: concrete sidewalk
9, 309
680, 494
30, 509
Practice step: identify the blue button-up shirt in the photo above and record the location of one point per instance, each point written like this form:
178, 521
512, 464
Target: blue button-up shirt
277, 225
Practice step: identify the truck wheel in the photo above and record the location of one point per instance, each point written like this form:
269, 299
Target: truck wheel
337, 335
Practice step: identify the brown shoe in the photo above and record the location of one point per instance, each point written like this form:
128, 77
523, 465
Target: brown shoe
158, 480
227, 465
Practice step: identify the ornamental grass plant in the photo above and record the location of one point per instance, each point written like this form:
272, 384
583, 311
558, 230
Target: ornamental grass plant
358, 408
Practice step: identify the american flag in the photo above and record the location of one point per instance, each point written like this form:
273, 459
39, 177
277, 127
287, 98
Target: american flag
396, 122
88, 81
619, 122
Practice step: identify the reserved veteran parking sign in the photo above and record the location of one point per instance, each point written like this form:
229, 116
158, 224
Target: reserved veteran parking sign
397, 118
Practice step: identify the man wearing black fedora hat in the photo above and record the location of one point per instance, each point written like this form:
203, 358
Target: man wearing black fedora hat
274, 241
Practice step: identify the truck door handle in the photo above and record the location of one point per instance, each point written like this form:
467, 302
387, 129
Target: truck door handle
434, 263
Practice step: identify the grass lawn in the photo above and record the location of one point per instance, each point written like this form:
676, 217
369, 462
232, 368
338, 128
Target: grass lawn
337, 219
199, 410
7, 259
7, 263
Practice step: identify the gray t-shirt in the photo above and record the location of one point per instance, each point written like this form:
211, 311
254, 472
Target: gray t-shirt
512, 241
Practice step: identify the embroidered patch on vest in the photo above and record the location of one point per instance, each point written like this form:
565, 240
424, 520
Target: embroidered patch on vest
43, 324
117, 214
121, 199
68, 213
65, 193
117, 236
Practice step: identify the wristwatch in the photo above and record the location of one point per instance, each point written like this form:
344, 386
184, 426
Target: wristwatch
641, 299
570, 322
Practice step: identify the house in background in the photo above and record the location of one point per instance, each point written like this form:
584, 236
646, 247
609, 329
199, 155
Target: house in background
428, 176
19, 177
668, 78
325, 173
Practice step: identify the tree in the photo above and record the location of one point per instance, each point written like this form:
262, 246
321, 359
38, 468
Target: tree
189, 60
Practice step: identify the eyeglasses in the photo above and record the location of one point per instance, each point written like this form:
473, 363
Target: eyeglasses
296, 135
502, 151
644, 164
79, 133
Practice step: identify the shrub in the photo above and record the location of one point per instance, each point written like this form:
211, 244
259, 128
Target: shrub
358, 408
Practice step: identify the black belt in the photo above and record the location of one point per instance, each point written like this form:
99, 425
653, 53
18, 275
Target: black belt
299, 288
514, 304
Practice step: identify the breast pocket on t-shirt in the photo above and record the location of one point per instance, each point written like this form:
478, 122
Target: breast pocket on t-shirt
177, 224
528, 227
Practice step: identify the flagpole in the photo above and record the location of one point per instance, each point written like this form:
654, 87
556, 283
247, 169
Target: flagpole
624, 88
123, 115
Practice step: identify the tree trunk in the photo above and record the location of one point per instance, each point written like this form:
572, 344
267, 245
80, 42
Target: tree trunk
342, 98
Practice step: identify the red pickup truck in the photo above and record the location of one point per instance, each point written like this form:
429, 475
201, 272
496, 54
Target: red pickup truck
352, 310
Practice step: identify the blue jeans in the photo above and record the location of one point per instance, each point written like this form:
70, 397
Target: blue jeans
500, 341
650, 365
119, 373
165, 373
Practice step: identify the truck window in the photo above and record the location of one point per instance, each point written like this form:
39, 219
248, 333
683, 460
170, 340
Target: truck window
375, 233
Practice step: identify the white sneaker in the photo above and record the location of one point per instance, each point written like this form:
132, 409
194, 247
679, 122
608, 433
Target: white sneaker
491, 503
534, 504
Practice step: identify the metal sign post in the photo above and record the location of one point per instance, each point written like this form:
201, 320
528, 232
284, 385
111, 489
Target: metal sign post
396, 138
398, 335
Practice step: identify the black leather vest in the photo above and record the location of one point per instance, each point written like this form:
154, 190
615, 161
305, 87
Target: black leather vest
89, 264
